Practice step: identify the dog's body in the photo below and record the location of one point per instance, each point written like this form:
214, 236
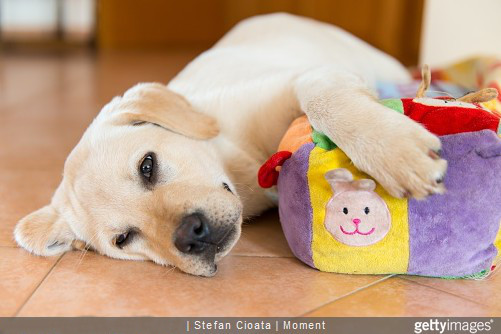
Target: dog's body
253, 83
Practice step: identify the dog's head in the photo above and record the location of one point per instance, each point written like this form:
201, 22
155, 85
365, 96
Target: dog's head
144, 182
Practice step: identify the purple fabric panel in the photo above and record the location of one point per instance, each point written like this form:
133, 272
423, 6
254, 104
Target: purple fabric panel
453, 234
294, 203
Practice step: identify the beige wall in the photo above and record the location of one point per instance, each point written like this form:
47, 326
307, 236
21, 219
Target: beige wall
39, 19
456, 29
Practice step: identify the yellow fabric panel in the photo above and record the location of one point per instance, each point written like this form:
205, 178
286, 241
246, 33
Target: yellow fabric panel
391, 254
494, 106
497, 243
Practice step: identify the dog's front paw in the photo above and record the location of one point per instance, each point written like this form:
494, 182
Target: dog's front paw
405, 160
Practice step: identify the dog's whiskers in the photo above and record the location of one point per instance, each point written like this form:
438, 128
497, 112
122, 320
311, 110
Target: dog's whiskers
86, 249
169, 270
244, 184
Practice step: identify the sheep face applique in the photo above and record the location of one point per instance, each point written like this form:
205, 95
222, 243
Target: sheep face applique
355, 215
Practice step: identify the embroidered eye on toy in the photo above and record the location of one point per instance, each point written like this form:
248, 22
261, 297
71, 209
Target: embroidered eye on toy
338, 219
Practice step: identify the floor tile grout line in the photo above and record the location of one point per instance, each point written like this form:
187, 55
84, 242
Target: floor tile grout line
443, 291
38, 286
349, 294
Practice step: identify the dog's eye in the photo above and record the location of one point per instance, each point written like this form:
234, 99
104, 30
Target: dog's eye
227, 187
366, 210
123, 239
147, 167
345, 211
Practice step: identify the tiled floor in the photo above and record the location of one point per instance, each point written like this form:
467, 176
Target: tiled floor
46, 101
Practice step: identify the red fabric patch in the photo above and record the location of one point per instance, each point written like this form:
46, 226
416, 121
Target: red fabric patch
268, 175
445, 120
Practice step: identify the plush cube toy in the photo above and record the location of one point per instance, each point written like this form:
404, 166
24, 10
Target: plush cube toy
337, 219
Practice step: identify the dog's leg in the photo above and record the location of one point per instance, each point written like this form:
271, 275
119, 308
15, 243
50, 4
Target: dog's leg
398, 152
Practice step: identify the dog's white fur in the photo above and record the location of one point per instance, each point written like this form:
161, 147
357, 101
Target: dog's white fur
243, 93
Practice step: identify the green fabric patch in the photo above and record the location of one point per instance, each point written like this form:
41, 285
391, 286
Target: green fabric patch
499, 128
395, 104
322, 141
478, 276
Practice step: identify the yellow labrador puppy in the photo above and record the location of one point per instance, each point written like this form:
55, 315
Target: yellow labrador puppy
167, 172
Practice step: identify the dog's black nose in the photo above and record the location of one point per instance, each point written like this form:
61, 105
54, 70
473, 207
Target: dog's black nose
192, 235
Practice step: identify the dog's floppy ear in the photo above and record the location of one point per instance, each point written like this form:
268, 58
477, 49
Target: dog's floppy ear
44, 232
155, 103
